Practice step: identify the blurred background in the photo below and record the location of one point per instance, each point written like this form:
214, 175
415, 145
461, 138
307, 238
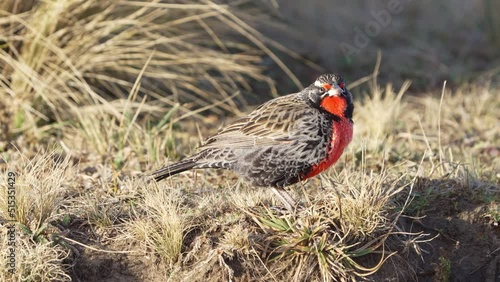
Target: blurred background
423, 41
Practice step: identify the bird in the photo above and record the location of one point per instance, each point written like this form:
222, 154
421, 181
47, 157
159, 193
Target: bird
284, 141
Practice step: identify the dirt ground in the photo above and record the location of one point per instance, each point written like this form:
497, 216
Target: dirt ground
462, 245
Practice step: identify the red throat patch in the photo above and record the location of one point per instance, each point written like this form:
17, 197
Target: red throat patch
334, 105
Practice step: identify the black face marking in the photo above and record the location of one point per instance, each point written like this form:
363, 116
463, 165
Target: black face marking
315, 93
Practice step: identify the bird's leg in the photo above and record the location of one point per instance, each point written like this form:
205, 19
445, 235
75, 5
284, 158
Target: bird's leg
287, 200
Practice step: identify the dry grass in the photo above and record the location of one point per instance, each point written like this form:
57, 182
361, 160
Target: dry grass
42, 184
160, 224
68, 59
346, 221
42, 187
35, 261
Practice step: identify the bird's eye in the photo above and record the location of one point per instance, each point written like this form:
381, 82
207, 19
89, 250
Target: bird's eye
342, 85
326, 87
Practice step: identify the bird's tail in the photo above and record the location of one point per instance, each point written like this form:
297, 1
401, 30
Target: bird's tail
173, 169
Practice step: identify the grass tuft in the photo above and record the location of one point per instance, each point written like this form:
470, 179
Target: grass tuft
159, 224
41, 186
350, 218
34, 261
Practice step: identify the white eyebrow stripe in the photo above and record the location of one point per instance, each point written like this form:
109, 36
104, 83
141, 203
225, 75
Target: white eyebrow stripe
318, 83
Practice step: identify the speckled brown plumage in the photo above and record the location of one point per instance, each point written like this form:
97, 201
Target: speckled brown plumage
284, 140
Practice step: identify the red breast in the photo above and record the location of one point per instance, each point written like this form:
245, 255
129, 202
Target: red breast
341, 134
341, 137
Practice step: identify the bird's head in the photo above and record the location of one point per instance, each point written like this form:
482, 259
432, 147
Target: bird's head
329, 93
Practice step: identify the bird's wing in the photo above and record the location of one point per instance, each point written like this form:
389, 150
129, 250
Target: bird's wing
270, 124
